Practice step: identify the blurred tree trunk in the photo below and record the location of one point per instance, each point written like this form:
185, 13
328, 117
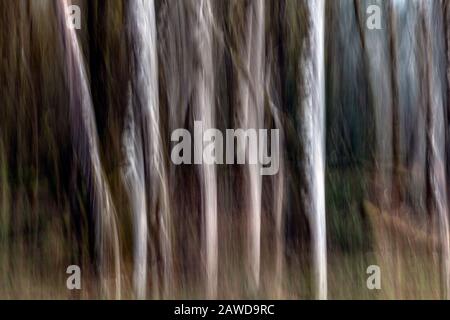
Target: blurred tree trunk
445, 7
276, 101
437, 197
397, 197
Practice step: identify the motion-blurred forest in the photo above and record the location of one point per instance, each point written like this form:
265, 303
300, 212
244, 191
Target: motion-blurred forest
86, 177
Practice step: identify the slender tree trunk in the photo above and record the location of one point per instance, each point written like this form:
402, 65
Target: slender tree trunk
205, 112
251, 84
312, 118
437, 194
85, 140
